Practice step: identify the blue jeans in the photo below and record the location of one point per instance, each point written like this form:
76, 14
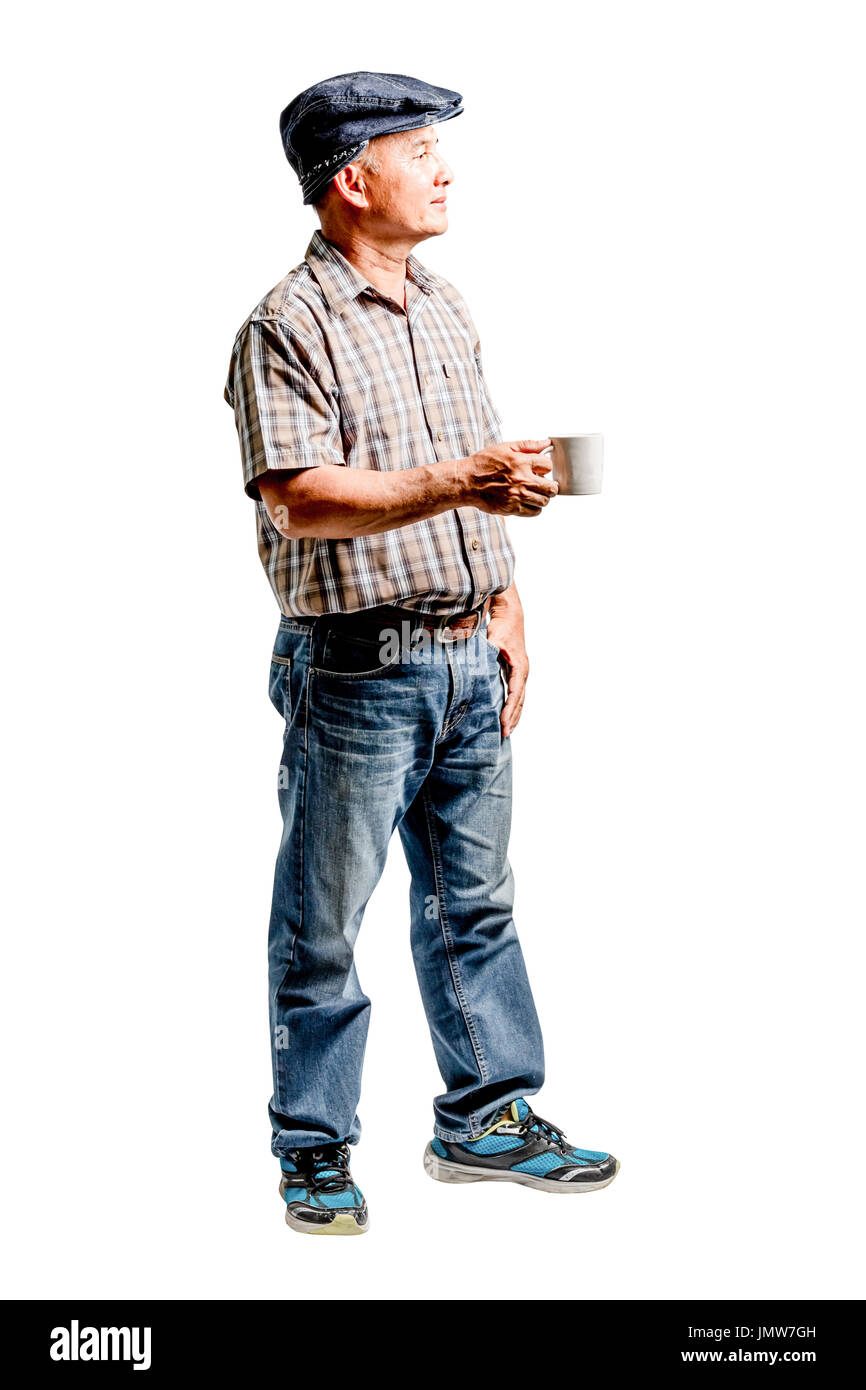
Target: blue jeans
388, 727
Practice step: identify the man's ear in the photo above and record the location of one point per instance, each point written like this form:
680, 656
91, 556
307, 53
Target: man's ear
350, 185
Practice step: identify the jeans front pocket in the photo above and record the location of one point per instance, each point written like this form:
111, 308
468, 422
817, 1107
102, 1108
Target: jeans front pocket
503, 666
280, 684
347, 656
504, 678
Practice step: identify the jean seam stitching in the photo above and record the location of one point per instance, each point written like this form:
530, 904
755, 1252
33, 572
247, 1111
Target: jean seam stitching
302, 855
278, 1095
451, 720
287, 689
449, 945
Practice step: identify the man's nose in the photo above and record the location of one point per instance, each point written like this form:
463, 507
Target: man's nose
444, 174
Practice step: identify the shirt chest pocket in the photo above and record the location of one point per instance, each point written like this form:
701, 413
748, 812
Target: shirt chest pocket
455, 403
379, 419
391, 413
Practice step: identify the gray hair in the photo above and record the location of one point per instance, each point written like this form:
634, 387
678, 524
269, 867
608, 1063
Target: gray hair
368, 160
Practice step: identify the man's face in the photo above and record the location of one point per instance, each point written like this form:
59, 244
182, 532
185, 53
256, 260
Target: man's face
408, 195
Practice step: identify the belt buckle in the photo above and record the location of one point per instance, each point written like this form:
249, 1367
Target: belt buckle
465, 633
448, 631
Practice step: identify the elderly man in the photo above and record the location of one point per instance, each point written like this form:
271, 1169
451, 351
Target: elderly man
371, 447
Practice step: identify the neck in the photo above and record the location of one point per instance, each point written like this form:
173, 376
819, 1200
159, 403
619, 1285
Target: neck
382, 263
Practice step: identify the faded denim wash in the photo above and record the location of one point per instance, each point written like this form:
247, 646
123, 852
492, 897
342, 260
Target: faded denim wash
375, 743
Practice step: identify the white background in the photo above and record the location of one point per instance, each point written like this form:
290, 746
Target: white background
657, 221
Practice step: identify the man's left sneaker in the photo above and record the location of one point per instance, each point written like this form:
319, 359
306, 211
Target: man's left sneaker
320, 1195
521, 1147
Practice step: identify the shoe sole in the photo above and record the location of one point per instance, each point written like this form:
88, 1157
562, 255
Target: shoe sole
443, 1170
343, 1224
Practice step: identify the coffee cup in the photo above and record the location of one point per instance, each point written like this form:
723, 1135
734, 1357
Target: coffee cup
577, 462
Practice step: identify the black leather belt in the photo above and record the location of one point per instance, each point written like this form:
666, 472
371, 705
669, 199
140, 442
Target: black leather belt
453, 627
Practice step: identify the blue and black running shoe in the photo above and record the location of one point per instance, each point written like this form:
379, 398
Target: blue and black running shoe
521, 1147
320, 1195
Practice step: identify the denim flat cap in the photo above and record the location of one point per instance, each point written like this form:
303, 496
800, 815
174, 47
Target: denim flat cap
325, 127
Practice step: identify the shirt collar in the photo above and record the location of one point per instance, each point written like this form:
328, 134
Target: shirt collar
340, 282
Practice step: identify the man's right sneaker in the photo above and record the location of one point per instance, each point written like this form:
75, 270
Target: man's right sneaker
320, 1195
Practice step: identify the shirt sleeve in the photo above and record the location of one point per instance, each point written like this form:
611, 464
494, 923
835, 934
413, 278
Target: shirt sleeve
285, 402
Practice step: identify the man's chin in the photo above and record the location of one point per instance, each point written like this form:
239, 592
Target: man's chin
439, 221
428, 230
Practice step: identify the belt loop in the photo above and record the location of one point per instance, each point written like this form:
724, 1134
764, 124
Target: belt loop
482, 614
318, 635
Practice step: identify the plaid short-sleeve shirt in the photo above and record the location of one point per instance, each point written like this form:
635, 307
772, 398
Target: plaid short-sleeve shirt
327, 369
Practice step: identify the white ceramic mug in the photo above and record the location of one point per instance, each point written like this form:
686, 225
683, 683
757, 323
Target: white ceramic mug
577, 462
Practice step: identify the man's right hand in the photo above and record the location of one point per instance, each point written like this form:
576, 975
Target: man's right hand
509, 478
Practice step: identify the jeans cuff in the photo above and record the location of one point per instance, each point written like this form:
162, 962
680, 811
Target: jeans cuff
455, 1137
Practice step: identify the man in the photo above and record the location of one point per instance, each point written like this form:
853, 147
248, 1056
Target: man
371, 448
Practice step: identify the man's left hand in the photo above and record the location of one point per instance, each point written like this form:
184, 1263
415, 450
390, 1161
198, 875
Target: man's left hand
505, 631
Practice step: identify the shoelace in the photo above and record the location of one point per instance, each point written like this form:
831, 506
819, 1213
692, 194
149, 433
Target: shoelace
323, 1163
546, 1131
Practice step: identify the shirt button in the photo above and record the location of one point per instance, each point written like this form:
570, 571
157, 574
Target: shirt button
426, 378
475, 543
438, 434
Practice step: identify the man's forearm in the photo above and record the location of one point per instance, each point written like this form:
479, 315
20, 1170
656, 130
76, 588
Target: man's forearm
507, 601
337, 503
